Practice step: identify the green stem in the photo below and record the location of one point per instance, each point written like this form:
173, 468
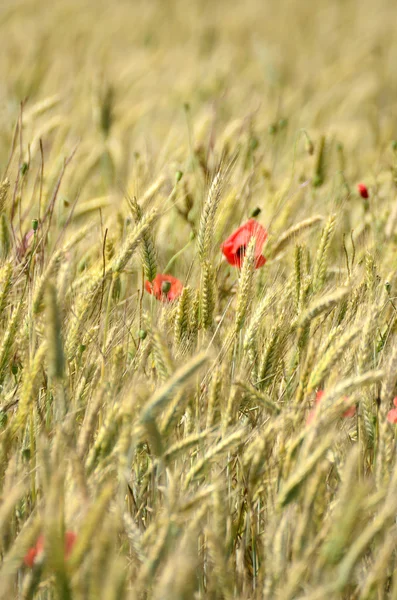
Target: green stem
106, 325
173, 259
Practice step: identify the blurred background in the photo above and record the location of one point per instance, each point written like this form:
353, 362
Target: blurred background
328, 63
153, 77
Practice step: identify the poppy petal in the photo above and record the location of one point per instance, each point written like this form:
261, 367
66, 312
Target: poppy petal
234, 247
392, 416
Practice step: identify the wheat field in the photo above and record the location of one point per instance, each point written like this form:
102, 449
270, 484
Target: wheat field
228, 432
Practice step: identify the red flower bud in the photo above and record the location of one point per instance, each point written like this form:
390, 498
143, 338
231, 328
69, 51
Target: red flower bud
363, 190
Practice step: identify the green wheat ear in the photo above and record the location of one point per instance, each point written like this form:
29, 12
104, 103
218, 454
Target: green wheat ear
182, 324
9, 339
56, 356
244, 297
320, 266
40, 287
120, 261
148, 251
5, 238
207, 220
6, 274
207, 295
292, 233
4, 189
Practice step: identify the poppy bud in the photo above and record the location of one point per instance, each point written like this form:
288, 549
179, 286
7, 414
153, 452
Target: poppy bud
310, 147
142, 334
178, 176
35, 224
255, 212
363, 190
308, 144
165, 287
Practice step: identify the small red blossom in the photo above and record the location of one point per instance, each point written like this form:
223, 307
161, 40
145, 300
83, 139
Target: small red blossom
392, 414
350, 412
311, 416
34, 552
165, 288
363, 190
319, 396
236, 244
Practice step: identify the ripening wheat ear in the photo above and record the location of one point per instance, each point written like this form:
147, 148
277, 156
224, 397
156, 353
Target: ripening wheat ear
298, 277
8, 340
39, 290
292, 233
207, 295
54, 326
29, 384
82, 309
244, 298
207, 220
161, 355
319, 172
331, 356
92, 522
152, 191
4, 189
163, 396
370, 275
120, 261
389, 383
364, 362
5, 238
322, 305
6, 273
320, 267
255, 322
181, 324
148, 250
270, 360
326, 303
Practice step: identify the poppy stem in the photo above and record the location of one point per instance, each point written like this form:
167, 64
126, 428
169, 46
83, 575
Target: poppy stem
106, 324
173, 259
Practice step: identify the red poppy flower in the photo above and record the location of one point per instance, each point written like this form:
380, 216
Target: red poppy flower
363, 190
350, 412
35, 551
392, 414
235, 246
164, 287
